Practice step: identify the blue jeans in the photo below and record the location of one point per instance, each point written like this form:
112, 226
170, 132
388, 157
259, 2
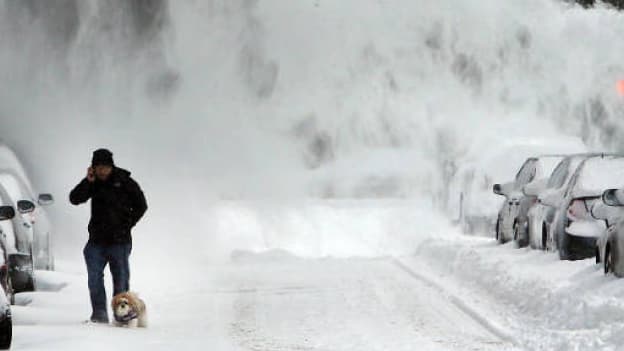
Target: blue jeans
97, 256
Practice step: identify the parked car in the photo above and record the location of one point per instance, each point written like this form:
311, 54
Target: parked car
470, 191
540, 216
574, 230
18, 243
6, 322
610, 244
5, 278
512, 222
33, 215
42, 228
477, 204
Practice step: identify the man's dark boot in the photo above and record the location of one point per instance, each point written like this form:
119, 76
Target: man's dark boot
99, 318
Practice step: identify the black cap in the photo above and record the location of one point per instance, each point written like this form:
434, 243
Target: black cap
102, 157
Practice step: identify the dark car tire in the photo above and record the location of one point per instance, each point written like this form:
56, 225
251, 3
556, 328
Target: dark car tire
499, 237
23, 280
6, 333
10, 292
30, 284
597, 256
608, 261
562, 246
520, 241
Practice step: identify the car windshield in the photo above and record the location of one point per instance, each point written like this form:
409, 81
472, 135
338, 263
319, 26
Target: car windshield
599, 174
526, 173
546, 165
565, 170
13, 187
559, 175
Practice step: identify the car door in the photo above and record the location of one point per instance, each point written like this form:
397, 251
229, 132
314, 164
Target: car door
524, 176
558, 225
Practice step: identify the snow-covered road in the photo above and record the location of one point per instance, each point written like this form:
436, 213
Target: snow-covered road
269, 301
327, 275
346, 304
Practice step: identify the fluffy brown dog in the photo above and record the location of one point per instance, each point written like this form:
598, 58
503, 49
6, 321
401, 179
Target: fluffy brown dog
129, 310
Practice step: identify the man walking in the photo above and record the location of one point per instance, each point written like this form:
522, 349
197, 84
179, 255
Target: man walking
117, 204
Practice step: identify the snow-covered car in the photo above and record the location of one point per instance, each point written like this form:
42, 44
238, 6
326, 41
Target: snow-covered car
512, 222
6, 293
17, 239
574, 230
470, 189
41, 227
610, 244
34, 218
477, 205
6, 322
6, 214
540, 216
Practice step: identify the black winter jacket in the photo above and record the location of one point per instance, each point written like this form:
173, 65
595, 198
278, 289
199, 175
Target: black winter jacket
116, 206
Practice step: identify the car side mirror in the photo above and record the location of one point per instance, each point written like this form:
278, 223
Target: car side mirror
612, 198
6, 213
550, 198
534, 188
45, 199
25, 206
498, 189
602, 211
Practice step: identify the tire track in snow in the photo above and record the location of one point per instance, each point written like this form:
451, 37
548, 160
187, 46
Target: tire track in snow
457, 302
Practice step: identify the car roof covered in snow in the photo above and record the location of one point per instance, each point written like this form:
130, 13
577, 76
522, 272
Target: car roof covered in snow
8, 160
546, 164
598, 174
14, 185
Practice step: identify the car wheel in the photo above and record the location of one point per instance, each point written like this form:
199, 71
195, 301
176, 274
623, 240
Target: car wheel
531, 238
10, 292
608, 261
597, 256
31, 280
518, 238
499, 237
6, 332
516, 234
561, 242
30, 285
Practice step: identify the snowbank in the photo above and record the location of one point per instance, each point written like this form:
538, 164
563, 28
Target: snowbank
546, 304
320, 228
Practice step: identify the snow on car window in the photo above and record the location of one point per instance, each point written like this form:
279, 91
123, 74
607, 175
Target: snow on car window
13, 187
559, 175
546, 165
526, 173
599, 174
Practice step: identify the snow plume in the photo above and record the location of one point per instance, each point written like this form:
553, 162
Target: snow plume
241, 99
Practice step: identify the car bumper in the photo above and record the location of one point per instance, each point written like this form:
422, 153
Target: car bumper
580, 247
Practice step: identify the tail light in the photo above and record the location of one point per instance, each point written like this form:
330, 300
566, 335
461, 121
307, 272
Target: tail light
580, 209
